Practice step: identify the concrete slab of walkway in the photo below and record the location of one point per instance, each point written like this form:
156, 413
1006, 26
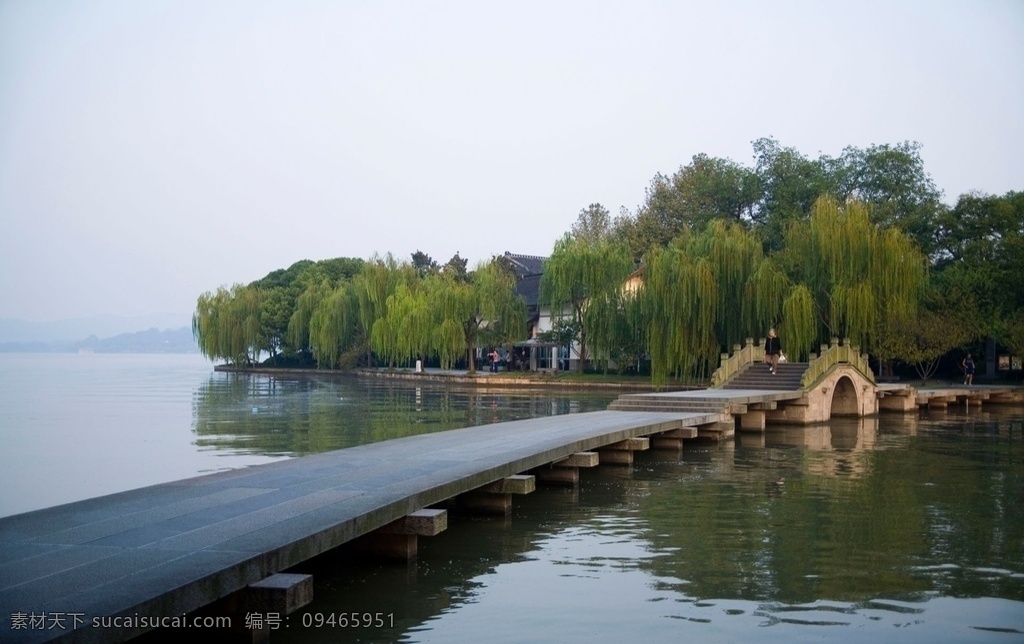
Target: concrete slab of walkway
169, 549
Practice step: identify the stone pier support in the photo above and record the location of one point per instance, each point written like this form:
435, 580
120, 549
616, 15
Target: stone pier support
485, 503
282, 593
270, 600
1008, 397
752, 421
974, 401
399, 539
621, 453
717, 431
902, 402
517, 484
566, 472
672, 440
496, 498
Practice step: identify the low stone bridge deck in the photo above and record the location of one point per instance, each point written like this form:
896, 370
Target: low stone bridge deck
750, 407
754, 397
169, 549
902, 397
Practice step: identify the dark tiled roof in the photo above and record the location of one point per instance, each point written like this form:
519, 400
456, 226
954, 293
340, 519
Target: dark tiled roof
529, 288
525, 265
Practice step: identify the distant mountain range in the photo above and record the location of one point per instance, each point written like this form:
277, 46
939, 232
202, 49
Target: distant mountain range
74, 329
101, 335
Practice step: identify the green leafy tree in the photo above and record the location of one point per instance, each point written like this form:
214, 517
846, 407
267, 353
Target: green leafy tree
424, 264
619, 331
707, 292
642, 233
858, 274
749, 291
334, 326
593, 225
798, 325
340, 269
282, 288
305, 307
575, 273
379, 278
780, 189
791, 183
924, 339
226, 324
455, 269
403, 332
465, 312
680, 298
705, 190
892, 179
981, 257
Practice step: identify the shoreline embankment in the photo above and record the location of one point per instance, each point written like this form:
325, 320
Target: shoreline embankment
481, 379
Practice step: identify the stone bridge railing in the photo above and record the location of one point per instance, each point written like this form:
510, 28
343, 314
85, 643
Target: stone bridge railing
733, 364
834, 354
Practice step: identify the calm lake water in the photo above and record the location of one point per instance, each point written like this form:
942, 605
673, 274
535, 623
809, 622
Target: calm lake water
901, 528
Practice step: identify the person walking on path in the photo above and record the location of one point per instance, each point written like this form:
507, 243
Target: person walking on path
495, 359
772, 349
968, 367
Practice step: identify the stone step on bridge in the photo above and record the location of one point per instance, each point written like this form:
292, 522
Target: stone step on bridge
788, 376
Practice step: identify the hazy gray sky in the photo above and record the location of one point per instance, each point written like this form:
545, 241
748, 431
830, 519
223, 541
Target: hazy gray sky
151, 150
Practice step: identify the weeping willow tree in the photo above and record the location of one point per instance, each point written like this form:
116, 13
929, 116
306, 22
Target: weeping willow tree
226, 324
577, 272
207, 328
735, 257
502, 311
749, 287
798, 326
680, 299
762, 304
404, 331
860, 279
376, 282
454, 321
334, 325
306, 305
707, 292
465, 312
619, 329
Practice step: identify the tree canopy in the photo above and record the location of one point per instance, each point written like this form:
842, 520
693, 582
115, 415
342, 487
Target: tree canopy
388, 310
577, 272
858, 245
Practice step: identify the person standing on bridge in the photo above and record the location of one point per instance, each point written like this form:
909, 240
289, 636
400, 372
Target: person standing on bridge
968, 366
772, 349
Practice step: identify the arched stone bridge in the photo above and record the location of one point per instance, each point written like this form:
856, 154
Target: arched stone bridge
835, 382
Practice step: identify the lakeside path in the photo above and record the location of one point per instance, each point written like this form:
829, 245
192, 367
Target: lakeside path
481, 379
169, 549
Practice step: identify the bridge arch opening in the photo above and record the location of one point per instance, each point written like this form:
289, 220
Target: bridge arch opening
844, 398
